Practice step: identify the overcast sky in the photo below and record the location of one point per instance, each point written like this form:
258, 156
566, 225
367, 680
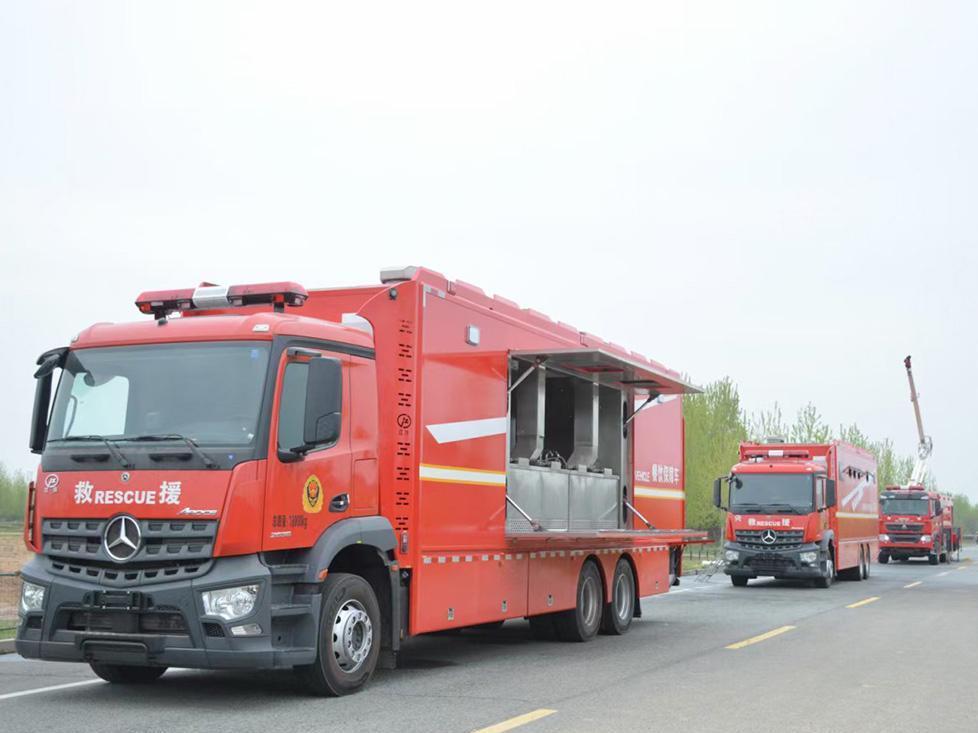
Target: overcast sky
782, 193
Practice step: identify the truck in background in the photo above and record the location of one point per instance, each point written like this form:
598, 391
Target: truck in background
915, 522
804, 511
283, 478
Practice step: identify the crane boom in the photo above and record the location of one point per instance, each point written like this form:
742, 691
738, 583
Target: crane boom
924, 443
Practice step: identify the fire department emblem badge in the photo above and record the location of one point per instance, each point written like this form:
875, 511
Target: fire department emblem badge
312, 496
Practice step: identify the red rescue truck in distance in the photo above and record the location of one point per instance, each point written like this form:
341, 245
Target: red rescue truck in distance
806, 511
915, 522
292, 479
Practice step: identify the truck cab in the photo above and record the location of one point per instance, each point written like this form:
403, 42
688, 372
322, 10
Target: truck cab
199, 477
786, 518
912, 525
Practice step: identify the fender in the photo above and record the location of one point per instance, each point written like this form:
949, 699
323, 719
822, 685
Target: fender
376, 532
827, 537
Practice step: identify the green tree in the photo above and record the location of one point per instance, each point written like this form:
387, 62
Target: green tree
809, 426
768, 424
714, 430
13, 494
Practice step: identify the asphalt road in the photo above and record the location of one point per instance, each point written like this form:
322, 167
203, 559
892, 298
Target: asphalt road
899, 662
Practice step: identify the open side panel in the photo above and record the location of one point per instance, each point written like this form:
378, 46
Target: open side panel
567, 449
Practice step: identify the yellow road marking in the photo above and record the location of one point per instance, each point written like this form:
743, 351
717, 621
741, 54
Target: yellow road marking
863, 602
517, 721
913, 584
761, 637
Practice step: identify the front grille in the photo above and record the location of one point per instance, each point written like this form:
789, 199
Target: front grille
784, 539
904, 538
126, 622
168, 550
904, 527
772, 565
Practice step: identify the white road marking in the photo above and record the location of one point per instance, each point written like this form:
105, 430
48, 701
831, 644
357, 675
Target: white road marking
52, 688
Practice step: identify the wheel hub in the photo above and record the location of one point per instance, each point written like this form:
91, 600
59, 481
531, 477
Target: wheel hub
352, 636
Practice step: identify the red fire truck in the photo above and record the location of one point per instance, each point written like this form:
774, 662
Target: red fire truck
805, 511
290, 479
915, 522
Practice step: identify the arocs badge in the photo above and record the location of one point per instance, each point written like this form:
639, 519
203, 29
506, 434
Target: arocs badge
312, 496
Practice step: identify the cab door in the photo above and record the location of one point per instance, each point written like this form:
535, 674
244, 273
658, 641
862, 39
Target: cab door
307, 489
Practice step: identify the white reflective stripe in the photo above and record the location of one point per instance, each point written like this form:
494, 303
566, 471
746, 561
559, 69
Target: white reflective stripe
651, 493
454, 474
856, 515
856, 495
452, 432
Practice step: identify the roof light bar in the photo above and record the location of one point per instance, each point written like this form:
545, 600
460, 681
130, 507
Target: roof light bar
209, 296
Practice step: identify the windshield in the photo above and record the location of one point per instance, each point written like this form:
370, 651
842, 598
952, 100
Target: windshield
207, 392
917, 507
771, 493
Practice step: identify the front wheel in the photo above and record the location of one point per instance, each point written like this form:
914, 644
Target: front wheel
933, 559
349, 637
826, 580
126, 674
884, 558
617, 616
739, 581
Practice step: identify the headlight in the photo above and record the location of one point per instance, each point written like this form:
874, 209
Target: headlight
884, 538
925, 538
31, 598
808, 557
230, 603
731, 555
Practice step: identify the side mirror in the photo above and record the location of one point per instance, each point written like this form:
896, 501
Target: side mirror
829, 492
718, 494
48, 362
324, 403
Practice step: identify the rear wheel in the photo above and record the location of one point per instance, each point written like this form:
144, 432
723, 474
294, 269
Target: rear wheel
739, 581
581, 623
349, 637
867, 562
618, 614
126, 674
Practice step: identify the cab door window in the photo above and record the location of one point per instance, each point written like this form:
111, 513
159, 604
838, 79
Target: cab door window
292, 405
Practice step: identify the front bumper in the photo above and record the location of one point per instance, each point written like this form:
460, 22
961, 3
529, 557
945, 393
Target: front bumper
754, 563
125, 636
906, 550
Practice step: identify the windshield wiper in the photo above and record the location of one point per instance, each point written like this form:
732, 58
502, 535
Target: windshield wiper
746, 508
116, 453
786, 508
195, 449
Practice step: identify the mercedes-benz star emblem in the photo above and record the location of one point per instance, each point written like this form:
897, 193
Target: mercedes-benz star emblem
768, 536
122, 538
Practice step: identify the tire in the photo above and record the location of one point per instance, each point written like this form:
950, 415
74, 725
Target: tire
542, 628
349, 638
739, 581
126, 674
582, 622
617, 616
826, 580
867, 563
933, 559
884, 558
